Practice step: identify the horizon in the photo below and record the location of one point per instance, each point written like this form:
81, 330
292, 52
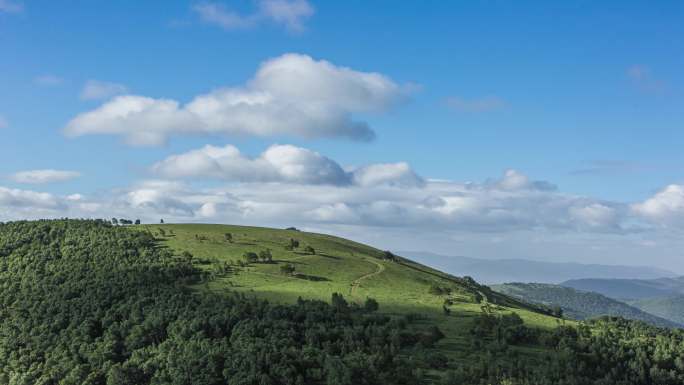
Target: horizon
493, 131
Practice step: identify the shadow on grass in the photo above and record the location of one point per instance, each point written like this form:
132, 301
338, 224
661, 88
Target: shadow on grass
310, 277
329, 256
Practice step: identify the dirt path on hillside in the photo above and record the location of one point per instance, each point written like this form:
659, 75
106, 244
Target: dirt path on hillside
355, 285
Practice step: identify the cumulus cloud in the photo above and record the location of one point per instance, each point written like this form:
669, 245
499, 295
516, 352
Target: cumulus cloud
289, 13
666, 207
44, 176
97, 90
48, 80
10, 6
280, 163
290, 95
515, 180
485, 104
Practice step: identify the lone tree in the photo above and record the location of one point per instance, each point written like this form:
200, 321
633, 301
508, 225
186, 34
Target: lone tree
310, 250
161, 221
338, 302
137, 221
389, 256
250, 257
287, 269
371, 305
265, 256
293, 244
229, 237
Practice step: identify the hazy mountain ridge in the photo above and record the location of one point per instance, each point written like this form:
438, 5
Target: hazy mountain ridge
663, 297
671, 308
577, 304
522, 270
630, 289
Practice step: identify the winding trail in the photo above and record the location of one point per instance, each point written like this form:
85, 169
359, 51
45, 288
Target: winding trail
355, 285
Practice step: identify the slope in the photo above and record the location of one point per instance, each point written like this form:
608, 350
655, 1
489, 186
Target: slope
341, 266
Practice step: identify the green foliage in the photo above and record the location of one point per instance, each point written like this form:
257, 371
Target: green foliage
83, 302
439, 290
265, 256
287, 269
250, 257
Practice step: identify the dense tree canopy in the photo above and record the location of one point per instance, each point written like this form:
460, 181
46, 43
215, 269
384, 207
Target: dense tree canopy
85, 302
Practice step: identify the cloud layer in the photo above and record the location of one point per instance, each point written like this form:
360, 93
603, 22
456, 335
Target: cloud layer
289, 95
44, 176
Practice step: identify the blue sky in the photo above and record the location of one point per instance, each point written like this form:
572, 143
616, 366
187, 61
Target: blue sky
584, 96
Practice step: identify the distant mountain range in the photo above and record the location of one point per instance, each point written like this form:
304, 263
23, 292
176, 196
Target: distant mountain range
630, 289
522, 270
577, 304
663, 297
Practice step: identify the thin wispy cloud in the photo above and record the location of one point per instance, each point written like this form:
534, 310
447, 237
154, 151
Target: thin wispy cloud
476, 105
288, 13
98, 90
44, 176
48, 80
643, 79
9, 6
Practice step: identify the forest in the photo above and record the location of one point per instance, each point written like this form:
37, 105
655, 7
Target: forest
87, 302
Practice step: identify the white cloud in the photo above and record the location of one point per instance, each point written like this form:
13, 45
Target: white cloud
96, 90
280, 163
44, 176
48, 80
514, 180
289, 13
10, 6
289, 95
485, 104
666, 207
395, 174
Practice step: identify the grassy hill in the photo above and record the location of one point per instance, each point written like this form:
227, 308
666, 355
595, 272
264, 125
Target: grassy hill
342, 266
579, 305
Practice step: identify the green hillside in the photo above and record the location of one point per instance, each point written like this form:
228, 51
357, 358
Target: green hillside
339, 266
579, 305
89, 303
